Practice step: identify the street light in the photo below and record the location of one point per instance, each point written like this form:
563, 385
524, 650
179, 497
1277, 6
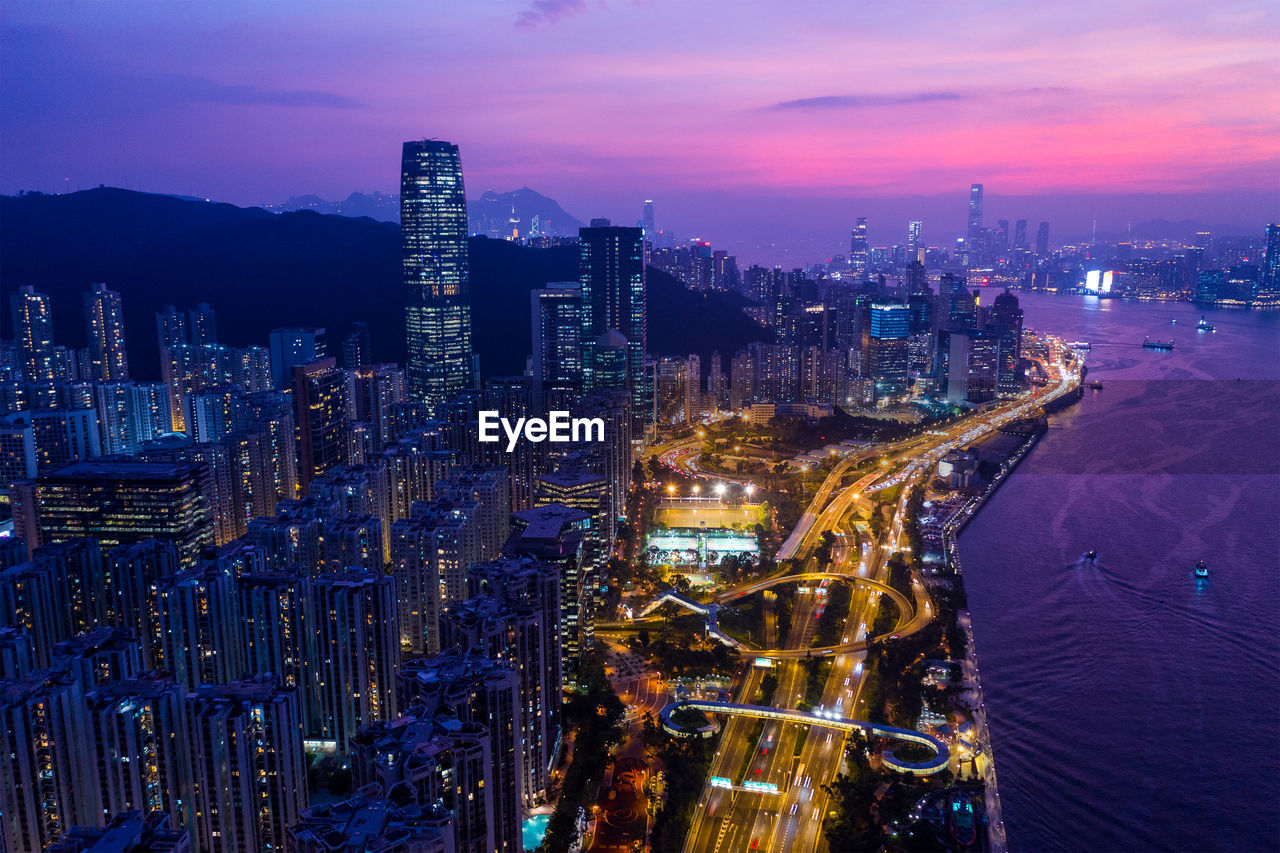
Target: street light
697, 489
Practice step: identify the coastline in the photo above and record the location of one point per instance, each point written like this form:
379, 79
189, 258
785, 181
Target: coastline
997, 839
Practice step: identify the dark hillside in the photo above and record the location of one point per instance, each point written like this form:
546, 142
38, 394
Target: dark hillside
261, 270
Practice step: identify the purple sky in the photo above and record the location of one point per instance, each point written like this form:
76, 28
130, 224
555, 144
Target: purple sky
748, 122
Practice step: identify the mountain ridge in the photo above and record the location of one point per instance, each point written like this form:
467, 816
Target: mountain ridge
261, 270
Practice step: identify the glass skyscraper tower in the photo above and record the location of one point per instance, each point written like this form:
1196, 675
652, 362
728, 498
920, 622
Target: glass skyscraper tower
433, 229
611, 266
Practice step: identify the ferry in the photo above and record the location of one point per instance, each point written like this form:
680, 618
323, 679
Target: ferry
1079, 345
1150, 344
1204, 325
1202, 569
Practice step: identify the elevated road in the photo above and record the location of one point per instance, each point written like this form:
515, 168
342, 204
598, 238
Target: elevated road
830, 720
794, 754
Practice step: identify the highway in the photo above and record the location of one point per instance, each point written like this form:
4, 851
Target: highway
733, 820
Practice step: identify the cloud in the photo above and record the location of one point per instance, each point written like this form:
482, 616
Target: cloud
548, 12
850, 102
213, 92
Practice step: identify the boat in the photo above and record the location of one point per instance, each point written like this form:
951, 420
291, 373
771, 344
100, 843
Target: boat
1204, 325
1173, 321
1079, 344
1150, 344
1092, 555
1202, 569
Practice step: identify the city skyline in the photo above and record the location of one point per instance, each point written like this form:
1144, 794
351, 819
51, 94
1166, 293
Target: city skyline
666, 506
886, 115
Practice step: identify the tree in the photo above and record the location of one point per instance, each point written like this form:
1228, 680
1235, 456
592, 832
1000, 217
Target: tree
637, 473
643, 636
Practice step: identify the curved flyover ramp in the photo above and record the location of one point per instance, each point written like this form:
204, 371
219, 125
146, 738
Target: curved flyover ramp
941, 752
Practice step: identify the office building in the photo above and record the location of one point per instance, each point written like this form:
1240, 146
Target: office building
119, 502
1271, 263
887, 357
558, 328
1006, 323
974, 238
915, 244
858, 248
433, 228
612, 273
1042, 240
1020, 235
104, 328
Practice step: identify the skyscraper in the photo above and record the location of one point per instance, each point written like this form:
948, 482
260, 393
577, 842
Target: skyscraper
104, 327
248, 767
204, 326
33, 329
889, 328
1042, 239
650, 231
45, 783
353, 614
1020, 234
614, 297
1271, 263
914, 242
171, 330
321, 419
357, 346
433, 233
858, 247
293, 347
1006, 323
557, 334
973, 237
